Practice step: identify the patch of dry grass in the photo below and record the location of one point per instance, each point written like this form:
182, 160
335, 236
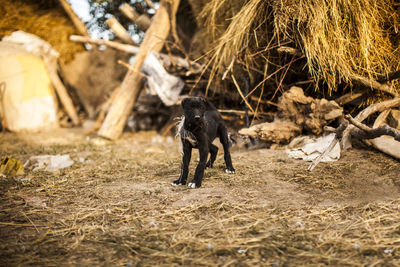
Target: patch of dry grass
117, 208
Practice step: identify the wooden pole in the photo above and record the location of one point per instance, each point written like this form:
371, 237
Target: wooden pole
141, 20
51, 65
119, 30
75, 19
131, 86
194, 67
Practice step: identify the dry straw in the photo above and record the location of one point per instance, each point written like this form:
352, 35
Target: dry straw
43, 18
340, 38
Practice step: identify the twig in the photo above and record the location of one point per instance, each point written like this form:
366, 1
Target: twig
390, 76
240, 93
242, 112
378, 107
21, 224
150, 4
129, 67
187, 64
347, 98
371, 133
374, 84
338, 134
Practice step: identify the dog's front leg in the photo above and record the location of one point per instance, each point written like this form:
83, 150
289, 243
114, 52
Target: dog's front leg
198, 175
186, 155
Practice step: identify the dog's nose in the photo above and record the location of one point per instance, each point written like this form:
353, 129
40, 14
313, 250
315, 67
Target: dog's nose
197, 117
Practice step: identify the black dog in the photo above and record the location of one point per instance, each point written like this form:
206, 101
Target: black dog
199, 127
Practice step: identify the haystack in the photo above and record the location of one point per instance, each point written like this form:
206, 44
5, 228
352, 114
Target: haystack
45, 19
334, 42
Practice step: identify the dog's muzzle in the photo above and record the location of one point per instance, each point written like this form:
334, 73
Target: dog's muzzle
197, 117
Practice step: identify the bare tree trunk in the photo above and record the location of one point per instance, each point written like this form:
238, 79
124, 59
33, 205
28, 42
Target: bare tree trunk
131, 86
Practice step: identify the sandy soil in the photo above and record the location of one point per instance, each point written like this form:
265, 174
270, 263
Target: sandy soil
117, 207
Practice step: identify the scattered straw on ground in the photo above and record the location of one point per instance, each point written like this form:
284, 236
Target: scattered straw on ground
118, 208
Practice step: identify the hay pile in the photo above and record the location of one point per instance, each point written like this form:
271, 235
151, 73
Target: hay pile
45, 19
338, 39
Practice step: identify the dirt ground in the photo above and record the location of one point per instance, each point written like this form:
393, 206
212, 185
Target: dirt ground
115, 206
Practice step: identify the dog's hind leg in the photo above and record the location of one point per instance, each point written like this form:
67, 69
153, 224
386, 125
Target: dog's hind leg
186, 155
223, 137
213, 155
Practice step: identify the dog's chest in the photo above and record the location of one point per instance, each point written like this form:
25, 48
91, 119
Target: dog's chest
185, 134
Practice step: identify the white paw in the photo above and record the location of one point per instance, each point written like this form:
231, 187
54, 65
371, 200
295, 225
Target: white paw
174, 184
192, 185
229, 171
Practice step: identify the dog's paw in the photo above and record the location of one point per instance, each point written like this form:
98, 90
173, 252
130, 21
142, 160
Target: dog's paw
177, 183
193, 185
230, 171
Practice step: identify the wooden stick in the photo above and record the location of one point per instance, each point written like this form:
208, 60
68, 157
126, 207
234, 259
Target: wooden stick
242, 112
119, 30
389, 77
80, 26
131, 86
141, 20
347, 98
240, 93
338, 134
371, 133
21, 224
51, 65
150, 4
378, 107
374, 84
187, 64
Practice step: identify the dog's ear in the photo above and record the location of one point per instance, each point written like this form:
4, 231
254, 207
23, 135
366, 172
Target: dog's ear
184, 101
207, 103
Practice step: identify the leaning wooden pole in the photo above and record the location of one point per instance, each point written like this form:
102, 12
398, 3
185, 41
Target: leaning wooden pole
132, 84
75, 19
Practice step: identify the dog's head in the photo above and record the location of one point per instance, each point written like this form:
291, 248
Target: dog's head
194, 108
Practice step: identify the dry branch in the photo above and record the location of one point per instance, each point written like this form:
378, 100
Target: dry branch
365, 132
359, 130
80, 26
374, 84
347, 98
193, 67
338, 134
141, 20
150, 4
389, 77
119, 30
51, 65
125, 100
